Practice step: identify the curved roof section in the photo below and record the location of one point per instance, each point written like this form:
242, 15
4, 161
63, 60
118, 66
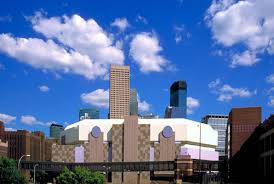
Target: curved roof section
178, 85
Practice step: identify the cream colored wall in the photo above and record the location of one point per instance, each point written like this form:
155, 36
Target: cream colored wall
185, 130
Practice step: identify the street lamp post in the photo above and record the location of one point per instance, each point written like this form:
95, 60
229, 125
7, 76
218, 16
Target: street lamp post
34, 172
21, 159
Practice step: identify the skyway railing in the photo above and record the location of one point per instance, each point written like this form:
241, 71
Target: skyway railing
101, 166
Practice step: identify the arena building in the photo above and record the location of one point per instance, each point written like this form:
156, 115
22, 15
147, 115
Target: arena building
133, 140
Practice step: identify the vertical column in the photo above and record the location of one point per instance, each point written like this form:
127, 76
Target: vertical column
96, 143
117, 151
130, 146
183, 167
144, 151
167, 144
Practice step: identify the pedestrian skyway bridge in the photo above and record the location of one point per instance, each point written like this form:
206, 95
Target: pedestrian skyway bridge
101, 166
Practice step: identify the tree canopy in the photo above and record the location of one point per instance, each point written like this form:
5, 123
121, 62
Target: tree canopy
9, 172
80, 175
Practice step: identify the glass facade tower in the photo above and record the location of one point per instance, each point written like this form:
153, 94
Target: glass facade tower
218, 123
89, 113
178, 100
55, 130
133, 102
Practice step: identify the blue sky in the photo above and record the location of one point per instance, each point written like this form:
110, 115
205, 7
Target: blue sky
55, 55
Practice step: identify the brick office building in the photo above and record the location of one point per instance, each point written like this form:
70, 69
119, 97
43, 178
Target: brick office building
254, 162
22, 142
241, 124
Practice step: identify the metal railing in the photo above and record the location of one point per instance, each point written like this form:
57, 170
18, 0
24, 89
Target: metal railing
102, 166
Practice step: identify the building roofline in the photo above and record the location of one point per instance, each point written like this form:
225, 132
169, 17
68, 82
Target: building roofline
176, 85
215, 115
58, 125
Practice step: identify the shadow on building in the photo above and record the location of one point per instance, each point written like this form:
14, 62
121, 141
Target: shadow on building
254, 162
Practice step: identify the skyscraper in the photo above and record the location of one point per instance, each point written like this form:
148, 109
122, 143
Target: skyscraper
55, 130
218, 123
178, 96
133, 102
89, 113
119, 92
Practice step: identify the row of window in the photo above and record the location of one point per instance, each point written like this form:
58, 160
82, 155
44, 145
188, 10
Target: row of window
244, 128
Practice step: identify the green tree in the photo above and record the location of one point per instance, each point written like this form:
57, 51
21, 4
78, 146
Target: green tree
41, 177
80, 175
66, 177
9, 172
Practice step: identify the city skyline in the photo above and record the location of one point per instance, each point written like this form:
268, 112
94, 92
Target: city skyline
222, 71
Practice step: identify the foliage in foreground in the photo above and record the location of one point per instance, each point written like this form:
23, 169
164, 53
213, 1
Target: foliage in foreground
9, 172
80, 175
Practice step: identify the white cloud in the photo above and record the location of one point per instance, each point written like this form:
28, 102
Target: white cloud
49, 56
121, 23
246, 58
99, 98
218, 53
270, 91
180, 34
73, 45
143, 106
249, 22
85, 36
145, 50
44, 88
226, 92
192, 104
214, 84
10, 129
31, 120
217, 6
271, 101
7, 118
270, 79
119, 44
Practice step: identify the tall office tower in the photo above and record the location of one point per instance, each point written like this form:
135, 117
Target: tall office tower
178, 96
241, 124
89, 113
55, 130
218, 123
119, 93
133, 102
